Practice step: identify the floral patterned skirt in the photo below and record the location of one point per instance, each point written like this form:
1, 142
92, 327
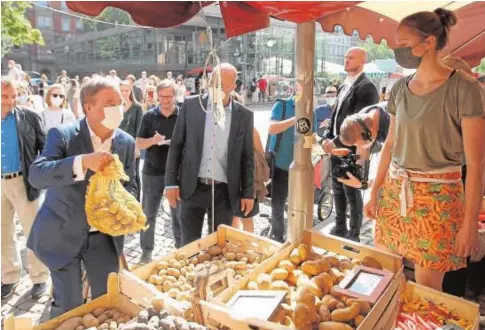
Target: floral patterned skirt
426, 234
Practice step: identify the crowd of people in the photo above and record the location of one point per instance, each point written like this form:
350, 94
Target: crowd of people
431, 125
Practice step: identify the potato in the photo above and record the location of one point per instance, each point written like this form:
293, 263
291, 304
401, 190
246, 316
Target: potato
191, 277
186, 287
173, 292
90, 321
358, 320
336, 294
295, 257
345, 265
116, 315
167, 285
364, 305
279, 285
286, 264
194, 261
346, 314
214, 250
279, 274
231, 256
244, 259
241, 272
291, 279
264, 281
81, 327
104, 326
288, 309
315, 289
336, 275
113, 325
323, 264
182, 279
240, 266
182, 296
330, 301
279, 316
103, 317
303, 280
162, 265
332, 261
203, 257
252, 285
304, 252
372, 263
239, 256
357, 262
288, 322
181, 256
324, 282
98, 311
162, 272
324, 313
311, 267
173, 272
334, 326
171, 279
301, 317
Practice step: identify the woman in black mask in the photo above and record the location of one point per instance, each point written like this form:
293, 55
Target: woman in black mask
437, 120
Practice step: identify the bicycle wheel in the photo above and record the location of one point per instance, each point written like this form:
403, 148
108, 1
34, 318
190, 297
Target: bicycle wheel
325, 207
266, 232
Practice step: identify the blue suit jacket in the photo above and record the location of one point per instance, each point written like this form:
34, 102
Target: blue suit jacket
60, 228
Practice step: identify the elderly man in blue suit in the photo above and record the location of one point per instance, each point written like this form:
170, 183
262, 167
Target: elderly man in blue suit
61, 237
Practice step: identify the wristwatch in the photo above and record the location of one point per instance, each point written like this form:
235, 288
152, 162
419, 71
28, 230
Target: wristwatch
364, 186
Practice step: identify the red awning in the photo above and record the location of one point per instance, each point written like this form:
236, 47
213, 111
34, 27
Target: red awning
377, 18
196, 71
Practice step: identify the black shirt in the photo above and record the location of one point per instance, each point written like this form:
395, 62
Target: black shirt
132, 119
153, 121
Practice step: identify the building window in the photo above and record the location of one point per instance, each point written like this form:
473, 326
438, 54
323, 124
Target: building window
79, 24
64, 5
66, 24
44, 21
43, 3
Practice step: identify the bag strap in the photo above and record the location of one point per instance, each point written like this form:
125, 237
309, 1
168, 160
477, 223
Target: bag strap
279, 135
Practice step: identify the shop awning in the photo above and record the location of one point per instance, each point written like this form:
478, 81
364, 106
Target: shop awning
376, 18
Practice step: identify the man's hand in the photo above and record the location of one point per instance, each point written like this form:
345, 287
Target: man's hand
340, 152
328, 146
173, 196
96, 161
137, 153
247, 205
352, 181
157, 139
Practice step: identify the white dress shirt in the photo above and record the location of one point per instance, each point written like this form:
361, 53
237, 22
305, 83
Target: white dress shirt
348, 83
98, 146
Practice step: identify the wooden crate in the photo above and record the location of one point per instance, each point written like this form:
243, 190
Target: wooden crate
464, 308
322, 244
224, 234
120, 286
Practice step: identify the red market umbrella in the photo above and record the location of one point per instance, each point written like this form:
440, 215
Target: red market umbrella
196, 71
377, 18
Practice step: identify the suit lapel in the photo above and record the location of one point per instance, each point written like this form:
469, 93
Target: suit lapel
200, 122
20, 119
235, 122
115, 143
86, 142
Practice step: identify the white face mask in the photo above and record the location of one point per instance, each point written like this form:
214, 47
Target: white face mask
331, 100
22, 99
56, 101
113, 116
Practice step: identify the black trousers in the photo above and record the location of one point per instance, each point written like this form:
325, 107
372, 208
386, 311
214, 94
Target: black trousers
194, 209
279, 195
342, 195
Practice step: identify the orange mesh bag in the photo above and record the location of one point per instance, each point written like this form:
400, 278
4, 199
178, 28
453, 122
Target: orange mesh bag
109, 207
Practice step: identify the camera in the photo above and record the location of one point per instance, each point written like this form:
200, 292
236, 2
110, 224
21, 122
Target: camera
349, 164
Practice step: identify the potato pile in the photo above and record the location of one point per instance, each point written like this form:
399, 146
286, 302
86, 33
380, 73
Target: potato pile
100, 319
150, 319
109, 207
312, 302
176, 276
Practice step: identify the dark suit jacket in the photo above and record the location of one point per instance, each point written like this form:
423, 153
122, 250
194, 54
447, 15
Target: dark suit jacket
185, 152
31, 135
363, 93
60, 228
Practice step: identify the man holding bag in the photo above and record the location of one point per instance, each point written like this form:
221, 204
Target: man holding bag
61, 237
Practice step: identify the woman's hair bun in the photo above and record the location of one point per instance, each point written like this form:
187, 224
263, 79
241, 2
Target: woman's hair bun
447, 17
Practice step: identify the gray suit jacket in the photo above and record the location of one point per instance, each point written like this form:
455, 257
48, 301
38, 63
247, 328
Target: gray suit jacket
185, 152
60, 228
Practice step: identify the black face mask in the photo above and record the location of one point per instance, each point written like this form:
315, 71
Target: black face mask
405, 58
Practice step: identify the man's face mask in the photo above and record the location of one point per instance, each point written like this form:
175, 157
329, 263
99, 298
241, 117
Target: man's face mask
331, 100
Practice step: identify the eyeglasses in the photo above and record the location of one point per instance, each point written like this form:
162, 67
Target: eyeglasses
58, 95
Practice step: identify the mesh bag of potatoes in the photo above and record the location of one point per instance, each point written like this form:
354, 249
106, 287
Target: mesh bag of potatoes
109, 207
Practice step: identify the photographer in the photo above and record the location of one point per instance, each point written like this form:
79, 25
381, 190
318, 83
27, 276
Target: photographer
367, 131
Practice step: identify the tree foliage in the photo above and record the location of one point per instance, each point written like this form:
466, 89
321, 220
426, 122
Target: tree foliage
481, 67
16, 27
377, 51
110, 15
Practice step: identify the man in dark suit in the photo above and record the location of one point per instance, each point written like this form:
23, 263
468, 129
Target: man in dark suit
23, 138
356, 93
203, 152
61, 236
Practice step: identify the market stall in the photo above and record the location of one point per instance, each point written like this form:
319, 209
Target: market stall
314, 282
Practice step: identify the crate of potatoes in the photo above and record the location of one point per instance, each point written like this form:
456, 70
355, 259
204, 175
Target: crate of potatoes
311, 275
237, 251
